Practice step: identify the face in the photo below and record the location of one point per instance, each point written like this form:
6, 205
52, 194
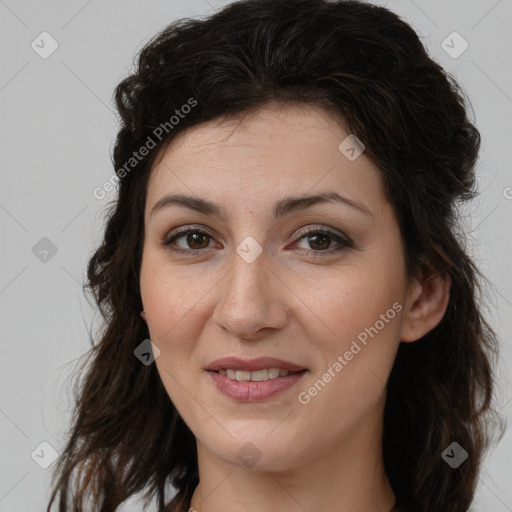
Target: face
244, 279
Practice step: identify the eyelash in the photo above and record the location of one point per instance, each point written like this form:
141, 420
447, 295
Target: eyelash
344, 242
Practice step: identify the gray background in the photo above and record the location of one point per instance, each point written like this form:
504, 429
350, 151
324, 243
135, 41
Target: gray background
57, 127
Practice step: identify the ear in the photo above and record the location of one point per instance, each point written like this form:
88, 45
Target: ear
426, 306
143, 315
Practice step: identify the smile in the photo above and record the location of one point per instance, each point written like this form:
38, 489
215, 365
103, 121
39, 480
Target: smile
255, 376
255, 386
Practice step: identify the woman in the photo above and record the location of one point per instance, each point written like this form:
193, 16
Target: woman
286, 236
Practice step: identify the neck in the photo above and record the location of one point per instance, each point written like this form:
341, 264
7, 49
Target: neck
348, 476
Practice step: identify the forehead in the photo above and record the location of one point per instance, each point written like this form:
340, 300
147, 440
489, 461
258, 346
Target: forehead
267, 153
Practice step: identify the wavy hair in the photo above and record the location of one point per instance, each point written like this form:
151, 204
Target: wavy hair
369, 68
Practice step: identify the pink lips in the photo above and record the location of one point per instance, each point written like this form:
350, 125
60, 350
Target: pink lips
249, 391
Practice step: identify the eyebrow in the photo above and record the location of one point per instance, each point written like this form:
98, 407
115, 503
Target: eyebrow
282, 208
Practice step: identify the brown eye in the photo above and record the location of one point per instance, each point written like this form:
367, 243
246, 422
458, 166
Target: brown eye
319, 241
194, 240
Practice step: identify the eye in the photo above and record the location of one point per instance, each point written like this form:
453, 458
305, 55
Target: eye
195, 239
320, 240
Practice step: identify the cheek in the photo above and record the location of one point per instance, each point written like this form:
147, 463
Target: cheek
172, 302
356, 357
354, 300
171, 299
173, 331
359, 309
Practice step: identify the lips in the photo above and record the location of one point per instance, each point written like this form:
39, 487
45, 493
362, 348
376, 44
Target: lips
254, 380
252, 365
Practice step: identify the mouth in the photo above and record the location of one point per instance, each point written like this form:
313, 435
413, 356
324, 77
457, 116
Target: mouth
257, 375
244, 368
254, 379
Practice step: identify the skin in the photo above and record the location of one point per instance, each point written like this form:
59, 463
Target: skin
294, 302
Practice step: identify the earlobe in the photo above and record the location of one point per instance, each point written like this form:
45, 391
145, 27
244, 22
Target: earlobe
427, 306
143, 315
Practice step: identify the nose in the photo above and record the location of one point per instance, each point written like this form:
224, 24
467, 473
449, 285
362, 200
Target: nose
251, 299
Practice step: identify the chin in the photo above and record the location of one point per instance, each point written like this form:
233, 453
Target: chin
258, 453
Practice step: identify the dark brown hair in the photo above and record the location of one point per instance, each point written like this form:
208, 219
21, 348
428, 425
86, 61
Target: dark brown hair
366, 65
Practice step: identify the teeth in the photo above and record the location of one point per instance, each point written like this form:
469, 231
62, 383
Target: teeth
273, 373
259, 375
242, 375
256, 376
